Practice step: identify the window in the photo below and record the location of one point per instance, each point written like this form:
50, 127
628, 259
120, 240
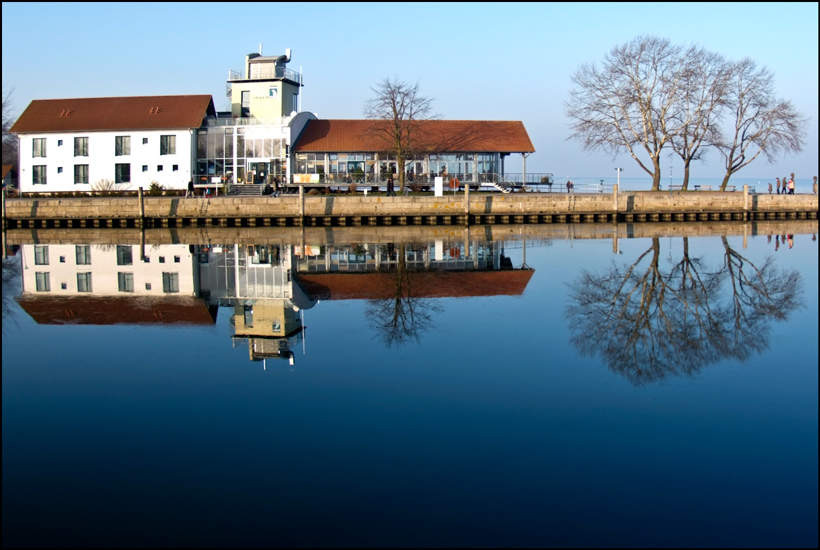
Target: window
167, 145
80, 173
40, 255
144, 167
170, 282
83, 282
176, 259
145, 141
273, 92
59, 143
83, 254
43, 282
64, 286
125, 282
122, 173
124, 255
295, 102
122, 145
38, 147
175, 168
147, 286
59, 169
162, 259
80, 146
246, 103
38, 175
159, 168
62, 259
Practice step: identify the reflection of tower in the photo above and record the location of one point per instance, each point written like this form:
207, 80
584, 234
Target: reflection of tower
255, 280
272, 328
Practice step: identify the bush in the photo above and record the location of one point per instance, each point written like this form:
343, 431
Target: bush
155, 189
352, 187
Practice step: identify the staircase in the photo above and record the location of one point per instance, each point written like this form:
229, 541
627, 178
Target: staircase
248, 190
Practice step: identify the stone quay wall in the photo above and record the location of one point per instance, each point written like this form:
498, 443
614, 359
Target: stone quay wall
394, 234
516, 204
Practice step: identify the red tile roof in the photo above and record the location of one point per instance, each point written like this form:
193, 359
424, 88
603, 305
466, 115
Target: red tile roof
358, 136
424, 284
117, 310
114, 113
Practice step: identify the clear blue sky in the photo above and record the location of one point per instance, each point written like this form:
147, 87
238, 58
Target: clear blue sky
479, 61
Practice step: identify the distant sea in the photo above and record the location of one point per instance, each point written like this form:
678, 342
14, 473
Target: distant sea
761, 185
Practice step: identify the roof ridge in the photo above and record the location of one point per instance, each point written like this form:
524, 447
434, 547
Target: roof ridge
124, 97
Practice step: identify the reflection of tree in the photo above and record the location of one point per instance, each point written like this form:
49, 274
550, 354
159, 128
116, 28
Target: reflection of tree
11, 278
399, 316
648, 322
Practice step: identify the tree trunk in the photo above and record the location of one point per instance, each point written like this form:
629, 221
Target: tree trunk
656, 177
400, 164
685, 176
725, 181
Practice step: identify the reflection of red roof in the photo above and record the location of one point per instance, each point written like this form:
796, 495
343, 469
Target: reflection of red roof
423, 284
358, 136
117, 310
114, 113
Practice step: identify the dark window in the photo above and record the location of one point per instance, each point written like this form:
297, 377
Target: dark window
80, 146
175, 167
159, 168
83, 254
41, 255
59, 169
170, 282
167, 145
83, 282
38, 146
122, 173
125, 282
122, 145
43, 282
38, 175
80, 173
124, 256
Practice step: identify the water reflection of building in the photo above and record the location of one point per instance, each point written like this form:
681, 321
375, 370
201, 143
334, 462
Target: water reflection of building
111, 284
256, 281
268, 286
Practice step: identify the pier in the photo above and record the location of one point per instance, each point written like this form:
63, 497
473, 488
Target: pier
460, 209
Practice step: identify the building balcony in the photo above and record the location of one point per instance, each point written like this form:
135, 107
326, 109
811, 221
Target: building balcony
259, 71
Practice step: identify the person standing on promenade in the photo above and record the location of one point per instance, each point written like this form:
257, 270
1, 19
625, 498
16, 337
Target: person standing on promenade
770, 188
568, 186
791, 186
791, 241
390, 190
778, 186
190, 191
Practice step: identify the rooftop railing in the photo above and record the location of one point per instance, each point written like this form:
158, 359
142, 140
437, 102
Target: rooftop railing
244, 121
261, 72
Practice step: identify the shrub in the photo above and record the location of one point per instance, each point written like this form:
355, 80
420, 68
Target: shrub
155, 189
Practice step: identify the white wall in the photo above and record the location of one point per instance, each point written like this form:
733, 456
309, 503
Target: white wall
104, 269
101, 160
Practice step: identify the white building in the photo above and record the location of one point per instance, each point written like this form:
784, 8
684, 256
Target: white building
69, 145
86, 269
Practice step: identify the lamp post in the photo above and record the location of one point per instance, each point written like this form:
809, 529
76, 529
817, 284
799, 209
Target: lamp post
670, 178
619, 176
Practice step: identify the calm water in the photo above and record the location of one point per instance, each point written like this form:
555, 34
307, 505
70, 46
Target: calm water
622, 392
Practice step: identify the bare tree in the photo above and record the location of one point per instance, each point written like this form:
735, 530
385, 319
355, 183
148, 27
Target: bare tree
396, 111
630, 102
703, 95
399, 316
647, 322
761, 122
9, 139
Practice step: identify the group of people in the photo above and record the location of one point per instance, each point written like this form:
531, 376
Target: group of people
570, 186
787, 187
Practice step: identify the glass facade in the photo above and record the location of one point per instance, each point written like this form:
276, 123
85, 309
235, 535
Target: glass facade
371, 167
240, 154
